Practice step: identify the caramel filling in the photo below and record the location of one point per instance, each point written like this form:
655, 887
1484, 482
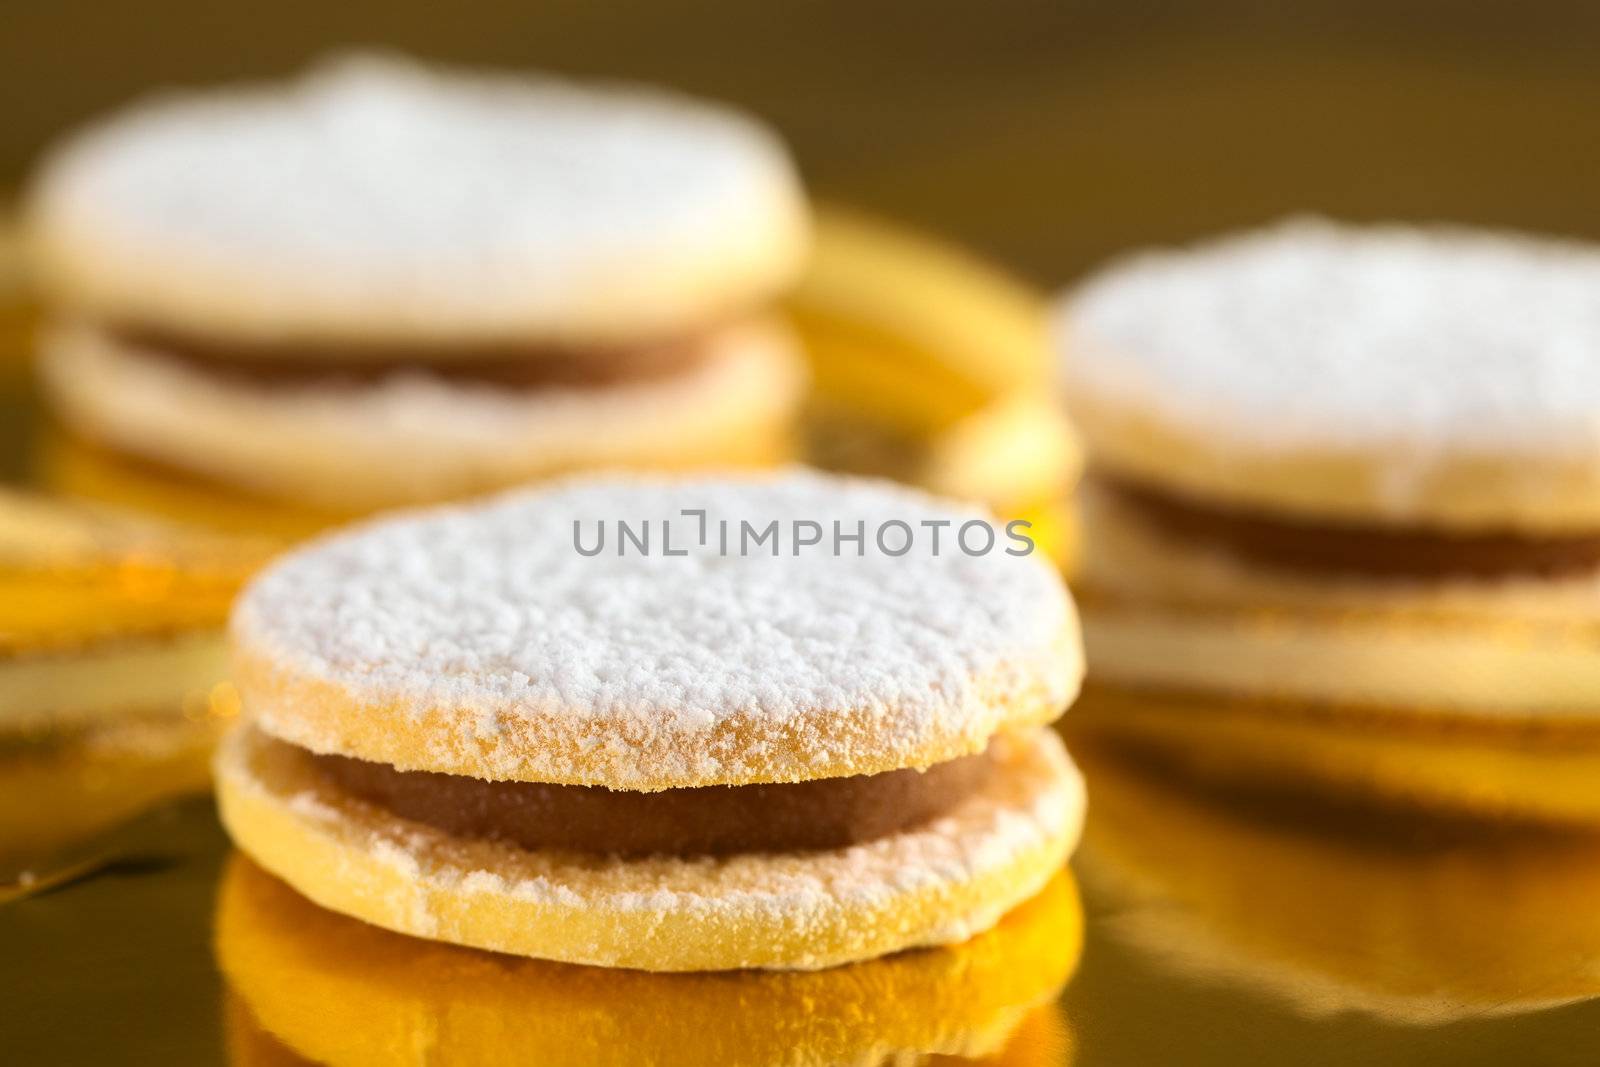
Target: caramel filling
531, 366
1351, 548
711, 820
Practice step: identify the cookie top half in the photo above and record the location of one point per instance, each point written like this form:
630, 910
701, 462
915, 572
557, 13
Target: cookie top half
1408, 375
373, 201
485, 641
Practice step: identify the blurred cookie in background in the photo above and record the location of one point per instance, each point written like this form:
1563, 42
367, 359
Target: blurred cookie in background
74, 468
111, 669
932, 367
104, 612
1346, 470
382, 284
927, 365
1521, 770
315, 984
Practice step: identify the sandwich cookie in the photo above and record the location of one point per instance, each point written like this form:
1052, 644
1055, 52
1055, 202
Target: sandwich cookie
1349, 465
687, 752
341, 992
383, 284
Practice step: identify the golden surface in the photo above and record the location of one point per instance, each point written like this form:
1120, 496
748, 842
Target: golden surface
56, 791
1219, 930
1274, 928
341, 992
1284, 932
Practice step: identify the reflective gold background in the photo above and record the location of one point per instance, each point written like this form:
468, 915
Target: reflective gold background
1219, 929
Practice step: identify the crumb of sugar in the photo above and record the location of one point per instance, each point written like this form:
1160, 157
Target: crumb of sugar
490, 611
1317, 335
308, 805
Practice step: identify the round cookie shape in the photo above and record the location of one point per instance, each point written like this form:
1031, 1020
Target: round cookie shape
375, 202
1405, 375
482, 641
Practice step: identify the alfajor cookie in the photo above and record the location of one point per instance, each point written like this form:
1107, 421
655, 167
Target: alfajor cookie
1354, 465
383, 284
661, 744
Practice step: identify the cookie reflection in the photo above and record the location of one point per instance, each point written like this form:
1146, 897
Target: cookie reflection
307, 985
1413, 919
61, 789
1424, 763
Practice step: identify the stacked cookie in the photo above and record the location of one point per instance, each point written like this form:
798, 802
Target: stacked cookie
382, 284
701, 753
1347, 468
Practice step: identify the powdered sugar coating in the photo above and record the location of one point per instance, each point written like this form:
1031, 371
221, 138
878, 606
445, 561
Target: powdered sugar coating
377, 199
1312, 335
478, 640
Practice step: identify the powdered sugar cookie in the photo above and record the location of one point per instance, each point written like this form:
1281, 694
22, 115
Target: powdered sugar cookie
1333, 463
382, 283
515, 725
1428, 379
374, 202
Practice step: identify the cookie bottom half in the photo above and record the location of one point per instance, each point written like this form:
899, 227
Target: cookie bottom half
1163, 613
416, 437
936, 884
